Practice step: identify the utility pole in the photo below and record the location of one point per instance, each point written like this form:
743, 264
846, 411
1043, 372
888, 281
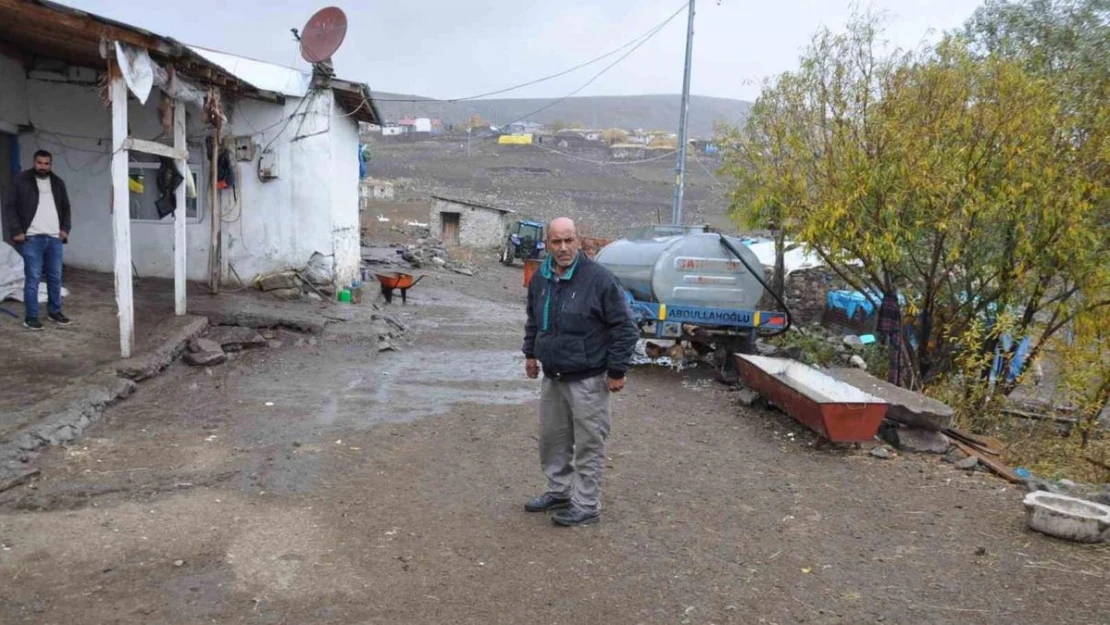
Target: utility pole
684, 116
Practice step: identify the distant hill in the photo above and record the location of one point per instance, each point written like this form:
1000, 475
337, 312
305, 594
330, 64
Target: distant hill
650, 112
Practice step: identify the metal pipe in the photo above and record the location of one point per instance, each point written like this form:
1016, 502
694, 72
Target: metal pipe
684, 116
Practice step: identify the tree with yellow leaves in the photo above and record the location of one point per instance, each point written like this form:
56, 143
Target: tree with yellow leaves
966, 182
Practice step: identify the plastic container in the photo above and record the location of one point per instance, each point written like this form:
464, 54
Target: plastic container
693, 269
345, 296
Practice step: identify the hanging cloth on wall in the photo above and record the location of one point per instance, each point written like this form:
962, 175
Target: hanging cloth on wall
168, 180
225, 172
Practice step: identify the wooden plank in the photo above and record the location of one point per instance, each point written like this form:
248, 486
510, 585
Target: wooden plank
990, 445
121, 211
1022, 414
181, 214
995, 465
157, 149
214, 213
1097, 463
77, 24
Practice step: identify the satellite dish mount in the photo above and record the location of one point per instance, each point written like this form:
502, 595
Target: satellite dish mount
321, 37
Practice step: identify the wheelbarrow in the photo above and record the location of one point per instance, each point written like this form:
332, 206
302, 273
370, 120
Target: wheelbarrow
402, 281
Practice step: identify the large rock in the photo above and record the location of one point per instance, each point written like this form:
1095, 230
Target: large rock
236, 338
906, 407
205, 359
274, 282
204, 345
922, 441
287, 294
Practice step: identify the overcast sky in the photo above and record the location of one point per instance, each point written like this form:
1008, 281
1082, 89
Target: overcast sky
457, 48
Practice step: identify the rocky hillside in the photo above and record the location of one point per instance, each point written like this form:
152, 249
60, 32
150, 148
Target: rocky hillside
650, 112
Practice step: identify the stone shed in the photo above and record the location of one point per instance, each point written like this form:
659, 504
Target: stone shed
469, 224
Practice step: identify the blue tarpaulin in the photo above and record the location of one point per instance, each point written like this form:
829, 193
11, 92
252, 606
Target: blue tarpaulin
363, 159
850, 302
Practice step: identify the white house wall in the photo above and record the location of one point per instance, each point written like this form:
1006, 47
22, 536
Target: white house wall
346, 235
72, 123
280, 222
286, 219
13, 95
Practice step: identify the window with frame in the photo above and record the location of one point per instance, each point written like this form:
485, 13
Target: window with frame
142, 180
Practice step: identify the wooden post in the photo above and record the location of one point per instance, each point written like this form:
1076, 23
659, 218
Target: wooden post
121, 210
181, 214
214, 201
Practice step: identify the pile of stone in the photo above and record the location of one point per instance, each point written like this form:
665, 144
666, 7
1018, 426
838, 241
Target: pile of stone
433, 253
388, 331
805, 293
315, 281
213, 348
914, 423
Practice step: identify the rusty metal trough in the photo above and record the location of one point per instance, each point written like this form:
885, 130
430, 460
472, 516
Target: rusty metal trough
837, 411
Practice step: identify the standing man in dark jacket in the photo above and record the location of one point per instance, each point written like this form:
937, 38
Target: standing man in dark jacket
36, 215
580, 330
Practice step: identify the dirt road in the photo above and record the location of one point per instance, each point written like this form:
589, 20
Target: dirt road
329, 483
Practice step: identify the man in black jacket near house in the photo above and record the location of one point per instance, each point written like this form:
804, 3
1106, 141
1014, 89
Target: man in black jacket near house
37, 219
580, 330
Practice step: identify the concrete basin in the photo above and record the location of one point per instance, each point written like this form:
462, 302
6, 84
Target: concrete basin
1067, 517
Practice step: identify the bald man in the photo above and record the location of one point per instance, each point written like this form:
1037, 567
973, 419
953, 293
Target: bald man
580, 331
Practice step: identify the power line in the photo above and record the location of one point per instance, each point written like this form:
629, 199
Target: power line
716, 181
644, 37
608, 67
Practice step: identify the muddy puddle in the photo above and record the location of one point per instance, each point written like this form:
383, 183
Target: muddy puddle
423, 383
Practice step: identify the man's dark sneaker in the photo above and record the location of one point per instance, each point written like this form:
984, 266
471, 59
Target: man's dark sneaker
59, 319
32, 323
545, 502
575, 516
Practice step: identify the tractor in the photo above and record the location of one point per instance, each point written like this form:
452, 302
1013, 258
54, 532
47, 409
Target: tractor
525, 241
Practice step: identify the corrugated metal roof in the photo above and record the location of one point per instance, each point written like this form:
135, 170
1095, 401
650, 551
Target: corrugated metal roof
353, 96
260, 74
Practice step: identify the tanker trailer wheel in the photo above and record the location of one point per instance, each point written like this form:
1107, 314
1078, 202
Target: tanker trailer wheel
727, 348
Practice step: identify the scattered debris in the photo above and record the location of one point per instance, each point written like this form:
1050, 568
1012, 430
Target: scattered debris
858, 362
320, 270
882, 452
204, 345
954, 455
433, 252
205, 359
968, 464
994, 464
279, 281
747, 397
234, 338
